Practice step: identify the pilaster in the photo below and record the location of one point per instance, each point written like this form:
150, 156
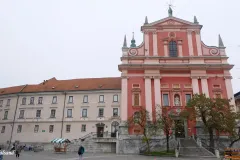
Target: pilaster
155, 46
195, 85
190, 44
157, 94
204, 83
198, 41
146, 42
230, 94
148, 95
180, 52
165, 48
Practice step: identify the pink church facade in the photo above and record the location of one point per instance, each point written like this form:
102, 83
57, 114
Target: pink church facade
169, 66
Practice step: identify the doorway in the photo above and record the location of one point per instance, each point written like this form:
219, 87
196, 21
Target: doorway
179, 129
100, 131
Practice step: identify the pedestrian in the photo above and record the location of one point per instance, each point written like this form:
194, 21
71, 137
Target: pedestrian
80, 152
18, 150
1, 154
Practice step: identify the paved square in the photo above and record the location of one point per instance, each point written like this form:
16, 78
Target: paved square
89, 156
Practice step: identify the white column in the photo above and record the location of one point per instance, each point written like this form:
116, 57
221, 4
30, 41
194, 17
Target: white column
165, 48
199, 45
195, 85
230, 94
155, 46
190, 45
157, 95
124, 99
205, 86
146, 42
180, 48
148, 96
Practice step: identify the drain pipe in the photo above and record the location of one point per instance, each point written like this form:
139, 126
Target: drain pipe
10, 141
63, 112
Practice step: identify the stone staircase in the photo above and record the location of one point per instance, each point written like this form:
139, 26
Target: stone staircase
91, 145
189, 148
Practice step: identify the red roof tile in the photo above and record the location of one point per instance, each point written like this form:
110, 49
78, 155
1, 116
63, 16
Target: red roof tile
11, 90
108, 83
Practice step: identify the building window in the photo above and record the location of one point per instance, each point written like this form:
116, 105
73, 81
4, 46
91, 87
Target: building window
136, 99
21, 114
3, 129
83, 129
188, 98
51, 128
54, 100
19, 129
32, 100
84, 113
177, 101
101, 98
165, 100
115, 112
53, 112
172, 49
36, 128
115, 98
70, 99
100, 112
38, 114
68, 128
1, 103
5, 115
40, 99
24, 101
85, 99
69, 113
8, 102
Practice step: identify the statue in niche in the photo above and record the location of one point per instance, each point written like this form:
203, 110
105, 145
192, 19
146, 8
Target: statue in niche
177, 100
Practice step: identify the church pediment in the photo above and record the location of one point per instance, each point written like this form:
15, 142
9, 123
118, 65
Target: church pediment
171, 21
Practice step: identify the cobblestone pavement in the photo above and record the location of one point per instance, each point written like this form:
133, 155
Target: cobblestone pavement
89, 156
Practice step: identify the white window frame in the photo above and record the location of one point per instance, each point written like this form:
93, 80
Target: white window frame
31, 100
5, 115
84, 129
69, 116
8, 102
21, 114
101, 100
186, 97
51, 128
117, 112
19, 129
40, 100
99, 112
39, 113
54, 100
115, 98
1, 103
51, 115
24, 101
70, 99
85, 99
83, 112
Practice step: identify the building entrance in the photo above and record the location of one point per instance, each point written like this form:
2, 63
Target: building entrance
179, 129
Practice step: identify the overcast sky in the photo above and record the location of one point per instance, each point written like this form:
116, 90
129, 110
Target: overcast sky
70, 39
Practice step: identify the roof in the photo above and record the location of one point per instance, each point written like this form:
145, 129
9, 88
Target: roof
54, 85
11, 90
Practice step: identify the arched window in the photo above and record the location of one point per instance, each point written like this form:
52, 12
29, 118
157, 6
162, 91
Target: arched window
172, 49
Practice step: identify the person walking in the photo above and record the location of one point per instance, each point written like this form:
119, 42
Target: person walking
17, 152
81, 150
1, 154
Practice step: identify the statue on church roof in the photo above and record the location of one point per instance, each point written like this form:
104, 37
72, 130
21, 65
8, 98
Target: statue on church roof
170, 11
133, 42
